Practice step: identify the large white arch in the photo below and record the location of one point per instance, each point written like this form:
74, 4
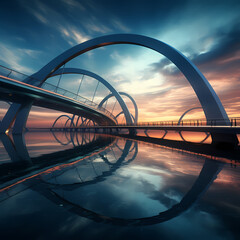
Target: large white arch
209, 100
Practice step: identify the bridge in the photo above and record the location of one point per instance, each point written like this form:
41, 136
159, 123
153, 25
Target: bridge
34, 90
18, 92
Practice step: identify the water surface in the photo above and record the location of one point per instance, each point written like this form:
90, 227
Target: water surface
86, 186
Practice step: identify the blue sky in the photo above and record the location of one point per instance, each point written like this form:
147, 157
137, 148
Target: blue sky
208, 32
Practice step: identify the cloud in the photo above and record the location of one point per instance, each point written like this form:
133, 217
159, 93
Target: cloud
226, 49
117, 24
73, 22
40, 11
220, 64
40, 17
54, 19
72, 35
13, 57
94, 26
211, 41
73, 4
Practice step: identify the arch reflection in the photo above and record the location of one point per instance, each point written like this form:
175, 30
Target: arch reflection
180, 133
206, 177
97, 167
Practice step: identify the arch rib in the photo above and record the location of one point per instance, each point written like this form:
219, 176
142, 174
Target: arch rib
127, 95
104, 82
61, 116
189, 110
209, 100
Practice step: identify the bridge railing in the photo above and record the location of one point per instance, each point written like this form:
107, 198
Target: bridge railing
10, 73
64, 92
234, 122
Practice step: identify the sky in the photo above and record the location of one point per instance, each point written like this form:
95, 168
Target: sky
207, 32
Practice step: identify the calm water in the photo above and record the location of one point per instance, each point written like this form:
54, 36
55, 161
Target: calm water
87, 186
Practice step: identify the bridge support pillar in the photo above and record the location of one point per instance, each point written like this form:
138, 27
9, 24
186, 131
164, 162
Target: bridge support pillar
132, 131
9, 117
21, 148
10, 148
224, 141
22, 116
19, 113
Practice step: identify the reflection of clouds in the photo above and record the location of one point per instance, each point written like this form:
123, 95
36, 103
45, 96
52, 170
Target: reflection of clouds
42, 143
121, 196
227, 176
72, 224
223, 198
183, 172
169, 161
143, 187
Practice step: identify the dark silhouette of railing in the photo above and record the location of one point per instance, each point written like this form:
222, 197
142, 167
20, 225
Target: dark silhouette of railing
10, 73
234, 122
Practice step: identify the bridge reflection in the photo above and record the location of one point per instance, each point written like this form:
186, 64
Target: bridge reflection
87, 162
206, 177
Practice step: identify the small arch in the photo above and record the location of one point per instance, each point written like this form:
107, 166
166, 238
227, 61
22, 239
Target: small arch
189, 110
61, 116
135, 119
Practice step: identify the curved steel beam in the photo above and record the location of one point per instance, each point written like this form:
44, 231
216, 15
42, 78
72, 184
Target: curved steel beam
59, 141
101, 80
127, 95
179, 122
64, 115
202, 141
82, 121
209, 100
123, 113
121, 161
189, 110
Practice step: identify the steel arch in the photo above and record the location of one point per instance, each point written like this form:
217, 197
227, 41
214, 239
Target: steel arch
209, 100
202, 141
189, 110
127, 95
101, 80
180, 119
123, 113
61, 116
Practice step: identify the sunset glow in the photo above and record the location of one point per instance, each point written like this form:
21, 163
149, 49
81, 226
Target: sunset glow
160, 90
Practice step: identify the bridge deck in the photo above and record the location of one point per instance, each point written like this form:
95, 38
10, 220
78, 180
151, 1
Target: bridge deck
16, 91
211, 129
